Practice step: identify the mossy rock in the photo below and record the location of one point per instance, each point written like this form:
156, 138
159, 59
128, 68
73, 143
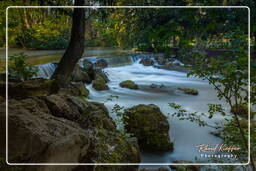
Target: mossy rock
80, 75
99, 84
31, 88
101, 73
100, 78
190, 91
150, 126
147, 62
129, 84
240, 109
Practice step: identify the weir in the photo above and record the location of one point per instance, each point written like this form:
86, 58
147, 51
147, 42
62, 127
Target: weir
46, 70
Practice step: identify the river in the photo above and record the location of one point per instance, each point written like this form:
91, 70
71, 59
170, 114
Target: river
184, 134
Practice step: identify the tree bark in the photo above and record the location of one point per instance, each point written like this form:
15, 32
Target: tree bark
75, 48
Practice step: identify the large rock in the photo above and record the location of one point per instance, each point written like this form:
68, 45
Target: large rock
29, 88
101, 63
99, 83
64, 128
150, 126
87, 66
190, 91
79, 75
34, 135
40, 87
129, 84
101, 73
146, 62
161, 60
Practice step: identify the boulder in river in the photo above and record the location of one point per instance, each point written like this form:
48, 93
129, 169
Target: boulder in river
101, 63
153, 85
87, 66
100, 72
161, 60
99, 83
191, 91
129, 84
146, 62
150, 126
156, 86
80, 75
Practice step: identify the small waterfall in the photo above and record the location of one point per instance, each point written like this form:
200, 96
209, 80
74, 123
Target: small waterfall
111, 60
46, 70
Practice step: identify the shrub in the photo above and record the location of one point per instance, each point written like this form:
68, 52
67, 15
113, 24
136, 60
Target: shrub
19, 68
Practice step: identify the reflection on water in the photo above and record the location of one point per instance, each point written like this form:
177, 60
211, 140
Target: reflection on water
36, 57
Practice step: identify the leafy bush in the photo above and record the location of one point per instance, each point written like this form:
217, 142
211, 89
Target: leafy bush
19, 68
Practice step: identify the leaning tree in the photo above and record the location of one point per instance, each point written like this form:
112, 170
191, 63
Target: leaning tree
75, 48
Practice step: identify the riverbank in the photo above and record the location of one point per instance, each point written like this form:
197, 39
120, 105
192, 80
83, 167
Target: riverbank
38, 57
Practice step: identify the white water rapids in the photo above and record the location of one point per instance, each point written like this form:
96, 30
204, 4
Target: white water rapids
185, 134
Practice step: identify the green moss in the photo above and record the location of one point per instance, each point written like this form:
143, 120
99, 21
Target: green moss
191, 91
150, 126
129, 84
99, 84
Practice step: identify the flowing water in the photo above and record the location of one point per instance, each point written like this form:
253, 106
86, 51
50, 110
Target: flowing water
184, 134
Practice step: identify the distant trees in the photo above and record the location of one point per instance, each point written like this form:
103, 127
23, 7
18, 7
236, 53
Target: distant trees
158, 29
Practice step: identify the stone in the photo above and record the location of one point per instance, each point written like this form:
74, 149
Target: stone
160, 60
101, 63
99, 84
153, 85
102, 74
150, 126
29, 88
146, 62
37, 136
66, 129
87, 67
79, 75
129, 84
80, 88
190, 91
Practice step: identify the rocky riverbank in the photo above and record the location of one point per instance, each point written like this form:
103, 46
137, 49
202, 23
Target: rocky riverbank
48, 124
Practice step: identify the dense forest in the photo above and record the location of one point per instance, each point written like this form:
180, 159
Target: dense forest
50, 28
181, 71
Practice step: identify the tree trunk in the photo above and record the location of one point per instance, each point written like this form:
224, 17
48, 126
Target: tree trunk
75, 48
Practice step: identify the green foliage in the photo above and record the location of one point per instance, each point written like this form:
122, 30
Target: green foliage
213, 108
19, 68
229, 76
183, 114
